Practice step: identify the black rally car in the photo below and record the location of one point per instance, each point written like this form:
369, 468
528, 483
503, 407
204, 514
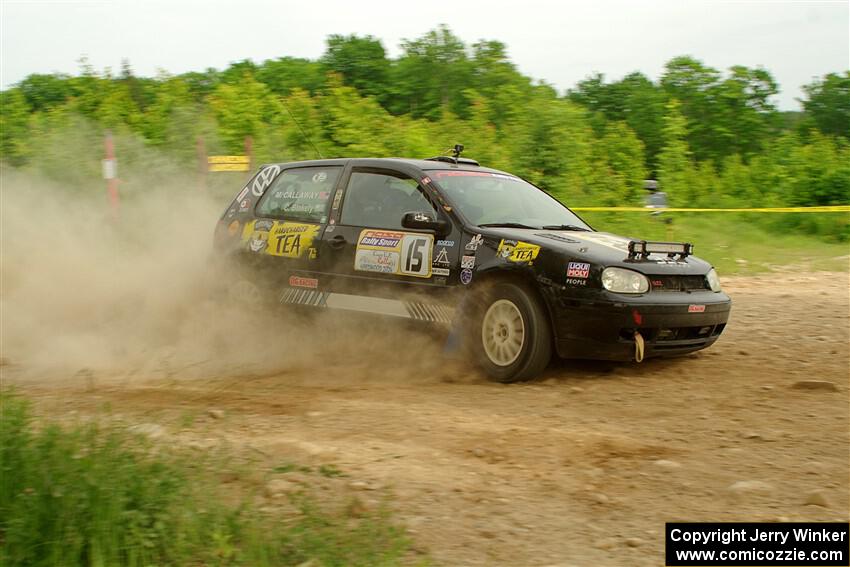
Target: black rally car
515, 273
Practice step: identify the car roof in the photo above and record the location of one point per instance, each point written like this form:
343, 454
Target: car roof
421, 164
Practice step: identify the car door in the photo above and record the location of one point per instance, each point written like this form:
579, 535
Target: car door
289, 218
367, 251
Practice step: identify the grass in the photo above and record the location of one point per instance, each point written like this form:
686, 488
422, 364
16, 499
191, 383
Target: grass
330, 471
291, 467
733, 243
92, 496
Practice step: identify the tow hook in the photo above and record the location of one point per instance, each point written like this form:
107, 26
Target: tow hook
639, 344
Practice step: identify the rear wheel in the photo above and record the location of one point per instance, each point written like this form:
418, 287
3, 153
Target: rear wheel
245, 292
510, 337
239, 284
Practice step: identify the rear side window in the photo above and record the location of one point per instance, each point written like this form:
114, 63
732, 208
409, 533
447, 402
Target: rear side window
301, 194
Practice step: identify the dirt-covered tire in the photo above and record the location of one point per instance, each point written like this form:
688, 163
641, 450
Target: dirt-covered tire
510, 336
238, 284
244, 292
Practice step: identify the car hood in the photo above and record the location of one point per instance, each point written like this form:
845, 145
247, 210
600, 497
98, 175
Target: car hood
601, 249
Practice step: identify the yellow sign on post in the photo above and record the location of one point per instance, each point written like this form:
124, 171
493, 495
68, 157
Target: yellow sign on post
228, 163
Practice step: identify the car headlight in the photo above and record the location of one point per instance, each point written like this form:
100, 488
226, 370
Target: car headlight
713, 280
619, 280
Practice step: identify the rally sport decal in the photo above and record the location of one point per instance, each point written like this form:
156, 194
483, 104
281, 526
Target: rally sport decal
392, 252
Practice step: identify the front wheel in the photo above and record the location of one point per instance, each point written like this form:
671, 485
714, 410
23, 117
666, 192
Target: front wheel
511, 337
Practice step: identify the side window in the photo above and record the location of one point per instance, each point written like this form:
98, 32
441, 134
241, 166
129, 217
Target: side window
381, 199
301, 194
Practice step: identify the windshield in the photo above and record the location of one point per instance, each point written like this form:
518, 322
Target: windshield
495, 198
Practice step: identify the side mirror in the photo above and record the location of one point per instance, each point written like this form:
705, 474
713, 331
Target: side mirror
425, 221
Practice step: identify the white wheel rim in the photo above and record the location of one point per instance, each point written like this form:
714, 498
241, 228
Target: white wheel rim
503, 332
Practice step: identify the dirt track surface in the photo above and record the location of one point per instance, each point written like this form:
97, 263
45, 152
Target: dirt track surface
581, 467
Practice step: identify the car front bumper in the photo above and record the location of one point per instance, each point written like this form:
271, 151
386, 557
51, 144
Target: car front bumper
670, 324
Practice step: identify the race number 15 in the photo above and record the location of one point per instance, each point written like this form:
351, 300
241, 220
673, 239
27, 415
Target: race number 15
416, 255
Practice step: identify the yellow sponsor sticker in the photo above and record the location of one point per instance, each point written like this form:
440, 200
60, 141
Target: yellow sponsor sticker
228, 159
291, 240
517, 251
279, 238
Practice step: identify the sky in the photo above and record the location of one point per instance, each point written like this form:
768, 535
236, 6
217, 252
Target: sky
560, 42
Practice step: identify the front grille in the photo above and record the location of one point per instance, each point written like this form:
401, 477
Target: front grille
678, 283
659, 336
683, 333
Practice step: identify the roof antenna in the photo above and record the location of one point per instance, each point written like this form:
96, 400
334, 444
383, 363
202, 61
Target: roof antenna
303, 133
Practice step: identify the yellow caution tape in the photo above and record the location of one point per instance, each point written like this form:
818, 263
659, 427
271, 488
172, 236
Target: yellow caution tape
820, 209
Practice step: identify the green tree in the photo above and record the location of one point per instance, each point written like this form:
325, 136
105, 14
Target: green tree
819, 172
478, 134
551, 144
354, 126
635, 99
827, 104
736, 182
361, 62
237, 71
431, 75
174, 120
46, 91
644, 113
624, 154
724, 116
142, 90
285, 74
201, 84
14, 126
675, 166
693, 85
495, 78
242, 109
301, 128
745, 115
117, 107
88, 90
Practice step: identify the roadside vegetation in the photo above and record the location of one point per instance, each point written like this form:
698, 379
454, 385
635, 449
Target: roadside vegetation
711, 138
736, 244
95, 495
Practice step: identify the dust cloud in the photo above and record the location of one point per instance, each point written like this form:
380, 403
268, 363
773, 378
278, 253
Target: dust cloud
135, 296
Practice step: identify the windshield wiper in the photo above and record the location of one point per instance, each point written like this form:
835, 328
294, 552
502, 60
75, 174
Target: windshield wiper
505, 225
564, 227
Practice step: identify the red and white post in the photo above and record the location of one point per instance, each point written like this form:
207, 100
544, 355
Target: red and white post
249, 151
203, 166
110, 173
